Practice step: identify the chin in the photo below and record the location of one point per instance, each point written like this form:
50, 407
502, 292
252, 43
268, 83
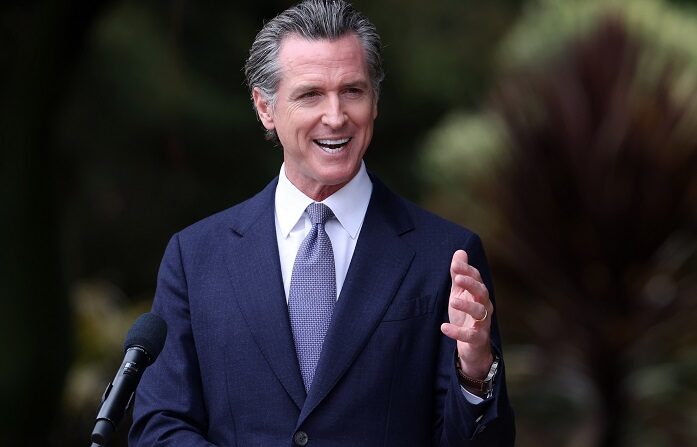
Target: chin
338, 176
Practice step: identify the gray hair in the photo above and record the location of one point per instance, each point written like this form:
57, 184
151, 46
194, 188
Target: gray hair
312, 20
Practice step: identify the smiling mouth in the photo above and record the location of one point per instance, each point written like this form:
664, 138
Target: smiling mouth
332, 146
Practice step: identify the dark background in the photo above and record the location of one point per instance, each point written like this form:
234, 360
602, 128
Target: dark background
122, 122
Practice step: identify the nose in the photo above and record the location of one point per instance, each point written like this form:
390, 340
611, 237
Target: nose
333, 114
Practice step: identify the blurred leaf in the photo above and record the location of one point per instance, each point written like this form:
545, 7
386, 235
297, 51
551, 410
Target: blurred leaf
584, 193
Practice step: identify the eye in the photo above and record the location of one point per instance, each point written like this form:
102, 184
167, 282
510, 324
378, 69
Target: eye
355, 92
309, 94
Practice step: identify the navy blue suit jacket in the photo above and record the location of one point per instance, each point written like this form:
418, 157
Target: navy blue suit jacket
228, 374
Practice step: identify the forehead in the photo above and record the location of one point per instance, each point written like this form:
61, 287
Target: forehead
324, 58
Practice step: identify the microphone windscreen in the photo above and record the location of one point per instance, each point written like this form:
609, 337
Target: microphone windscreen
148, 332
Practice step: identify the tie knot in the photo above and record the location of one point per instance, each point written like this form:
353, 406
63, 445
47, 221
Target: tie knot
319, 213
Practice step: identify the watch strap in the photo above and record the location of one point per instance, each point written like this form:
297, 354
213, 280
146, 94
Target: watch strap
482, 387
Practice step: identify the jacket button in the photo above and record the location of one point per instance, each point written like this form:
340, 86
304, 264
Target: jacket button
300, 438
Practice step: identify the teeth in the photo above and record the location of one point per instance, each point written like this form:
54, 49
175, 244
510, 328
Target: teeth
333, 142
332, 146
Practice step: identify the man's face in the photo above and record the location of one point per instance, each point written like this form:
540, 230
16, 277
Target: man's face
324, 112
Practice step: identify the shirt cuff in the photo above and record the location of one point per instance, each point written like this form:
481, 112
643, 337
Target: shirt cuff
471, 398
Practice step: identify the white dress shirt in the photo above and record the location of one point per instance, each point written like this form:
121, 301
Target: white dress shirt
348, 204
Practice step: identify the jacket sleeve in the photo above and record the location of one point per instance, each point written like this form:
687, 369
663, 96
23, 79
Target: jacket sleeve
460, 423
169, 408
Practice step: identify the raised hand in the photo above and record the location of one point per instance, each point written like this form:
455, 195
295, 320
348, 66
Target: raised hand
469, 312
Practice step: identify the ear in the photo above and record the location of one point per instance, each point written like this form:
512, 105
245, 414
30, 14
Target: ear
264, 109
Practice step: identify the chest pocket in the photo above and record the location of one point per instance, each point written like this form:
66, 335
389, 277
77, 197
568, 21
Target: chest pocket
404, 310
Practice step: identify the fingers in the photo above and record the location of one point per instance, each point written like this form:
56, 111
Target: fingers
460, 267
466, 280
478, 311
468, 296
469, 311
467, 335
475, 288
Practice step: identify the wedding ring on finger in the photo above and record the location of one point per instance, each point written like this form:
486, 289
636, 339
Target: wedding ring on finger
486, 314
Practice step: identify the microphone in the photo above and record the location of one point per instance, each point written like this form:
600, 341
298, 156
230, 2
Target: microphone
143, 344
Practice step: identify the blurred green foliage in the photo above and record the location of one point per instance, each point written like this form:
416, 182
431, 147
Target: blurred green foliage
580, 175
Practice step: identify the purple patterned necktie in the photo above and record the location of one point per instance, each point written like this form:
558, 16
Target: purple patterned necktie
312, 292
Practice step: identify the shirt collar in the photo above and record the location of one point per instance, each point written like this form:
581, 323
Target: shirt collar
349, 204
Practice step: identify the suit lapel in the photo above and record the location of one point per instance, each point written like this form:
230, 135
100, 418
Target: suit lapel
253, 263
366, 294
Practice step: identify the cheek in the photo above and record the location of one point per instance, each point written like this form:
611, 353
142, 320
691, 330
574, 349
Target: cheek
365, 115
367, 128
300, 123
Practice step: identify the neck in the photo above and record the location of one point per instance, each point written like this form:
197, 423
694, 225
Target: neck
322, 192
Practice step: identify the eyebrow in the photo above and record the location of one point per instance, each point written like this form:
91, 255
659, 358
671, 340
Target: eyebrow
360, 84
304, 88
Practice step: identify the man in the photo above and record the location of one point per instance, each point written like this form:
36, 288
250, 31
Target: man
314, 313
